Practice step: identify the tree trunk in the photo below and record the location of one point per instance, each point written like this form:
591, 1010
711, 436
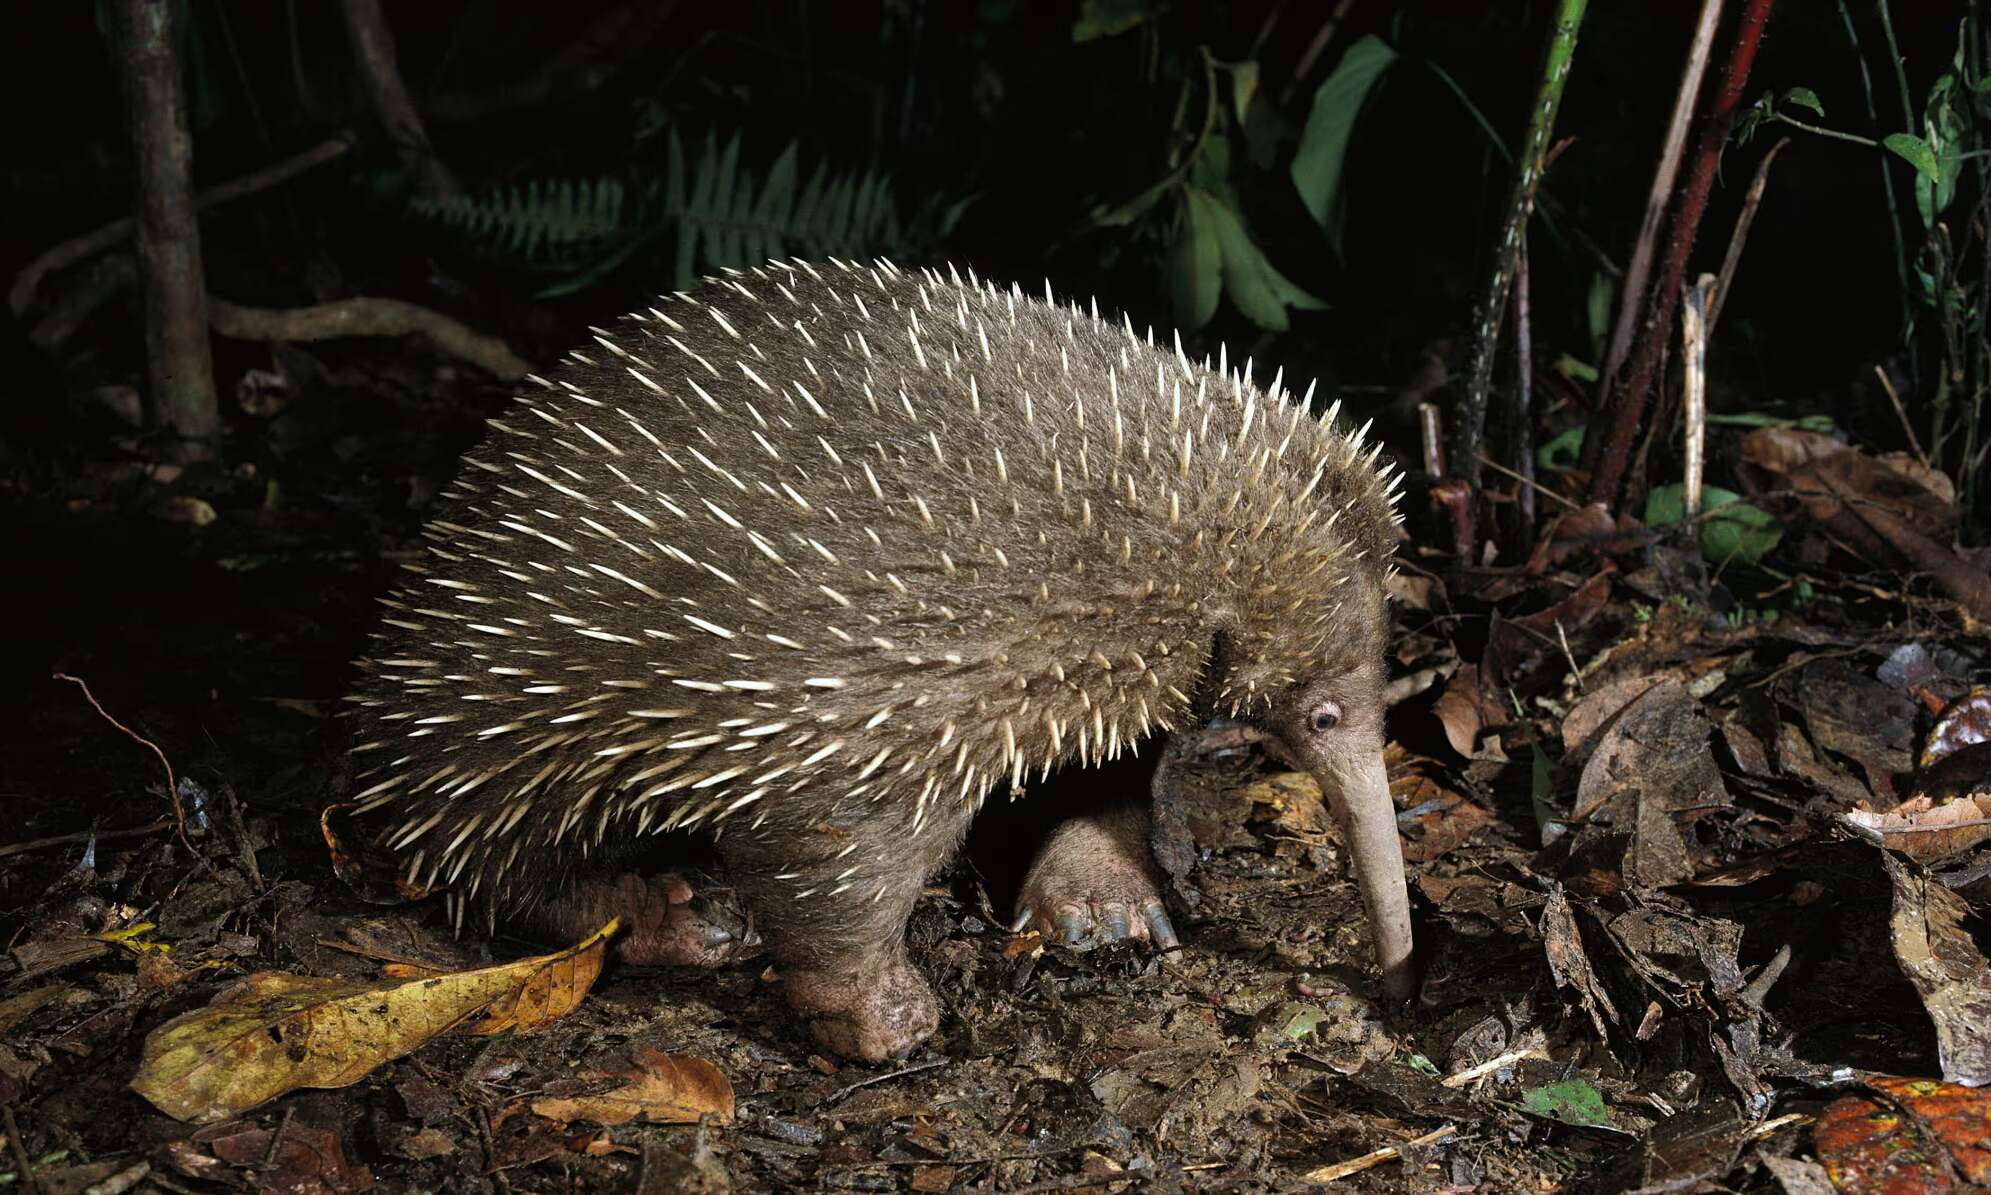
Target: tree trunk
179, 368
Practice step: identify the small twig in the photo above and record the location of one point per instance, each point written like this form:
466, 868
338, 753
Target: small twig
1431, 422
79, 248
242, 842
1774, 1124
875, 1079
30, 1181
1537, 486
276, 1138
172, 785
1750, 203
1753, 993
38, 844
1340, 1170
1901, 412
1820, 130
1314, 50
1562, 641
1482, 1069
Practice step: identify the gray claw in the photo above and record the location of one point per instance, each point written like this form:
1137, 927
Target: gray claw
1159, 928
1114, 927
1024, 916
1070, 928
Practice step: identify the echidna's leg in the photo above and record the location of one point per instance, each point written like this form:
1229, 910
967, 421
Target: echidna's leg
1093, 881
666, 921
835, 896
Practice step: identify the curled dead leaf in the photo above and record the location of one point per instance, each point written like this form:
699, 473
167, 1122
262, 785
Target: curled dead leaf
659, 1089
273, 1032
1924, 828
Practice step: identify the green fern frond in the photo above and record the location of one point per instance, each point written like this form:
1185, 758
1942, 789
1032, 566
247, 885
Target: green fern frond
713, 215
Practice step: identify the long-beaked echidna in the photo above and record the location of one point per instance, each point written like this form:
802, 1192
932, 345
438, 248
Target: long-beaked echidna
817, 557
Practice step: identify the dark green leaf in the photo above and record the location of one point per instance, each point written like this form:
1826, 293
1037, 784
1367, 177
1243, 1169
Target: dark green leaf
1317, 164
1571, 1101
1244, 85
1246, 272
1109, 18
1730, 529
1195, 271
1597, 308
1805, 97
1916, 151
1559, 455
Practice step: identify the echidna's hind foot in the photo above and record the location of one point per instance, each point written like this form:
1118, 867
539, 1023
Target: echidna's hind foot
1094, 882
836, 895
667, 921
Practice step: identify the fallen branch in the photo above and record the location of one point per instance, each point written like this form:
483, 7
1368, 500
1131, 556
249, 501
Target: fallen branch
21, 295
369, 317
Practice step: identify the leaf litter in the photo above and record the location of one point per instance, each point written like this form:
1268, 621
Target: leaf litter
1701, 868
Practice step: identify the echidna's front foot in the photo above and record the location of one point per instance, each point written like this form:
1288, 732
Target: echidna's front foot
1093, 882
871, 1011
667, 921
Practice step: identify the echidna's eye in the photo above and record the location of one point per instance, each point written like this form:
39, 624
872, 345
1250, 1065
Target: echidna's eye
1326, 716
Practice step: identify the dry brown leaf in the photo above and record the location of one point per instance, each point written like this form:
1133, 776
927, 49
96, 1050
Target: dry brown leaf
272, 1033
1929, 927
1440, 820
1924, 829
660, 1089
303, 1158
1465, 708
1598, 706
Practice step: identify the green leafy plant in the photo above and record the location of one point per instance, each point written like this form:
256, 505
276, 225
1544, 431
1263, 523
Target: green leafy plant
1729, 528
1946, 286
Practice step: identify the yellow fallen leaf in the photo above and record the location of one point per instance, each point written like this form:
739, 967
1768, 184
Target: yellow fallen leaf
1293, 801
661, 1089
272, 1033
549, 993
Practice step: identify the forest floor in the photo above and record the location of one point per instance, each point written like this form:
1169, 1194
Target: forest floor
1700, 879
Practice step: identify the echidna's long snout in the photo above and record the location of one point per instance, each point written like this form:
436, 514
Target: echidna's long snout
1358, 791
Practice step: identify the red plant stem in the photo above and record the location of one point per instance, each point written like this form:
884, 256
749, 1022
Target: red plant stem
1630, 402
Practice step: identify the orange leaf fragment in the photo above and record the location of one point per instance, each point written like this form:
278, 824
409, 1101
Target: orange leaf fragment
1883, 1145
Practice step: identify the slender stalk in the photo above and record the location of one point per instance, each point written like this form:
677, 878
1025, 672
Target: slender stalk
1619, 423
1524, 388
1631, 297
1555, 72
1887, 167
1740, 237
1694, 380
